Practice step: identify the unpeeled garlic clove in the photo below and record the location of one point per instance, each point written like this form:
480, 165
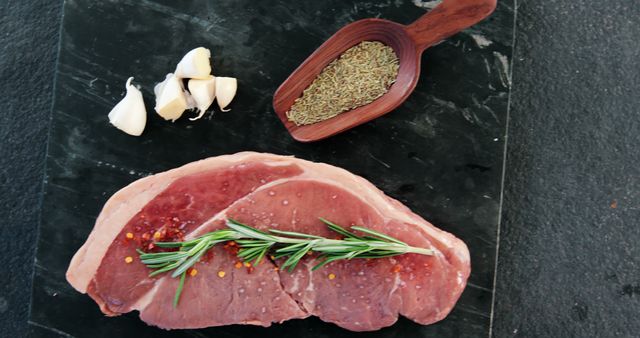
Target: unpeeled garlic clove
171, 100
203, 93
130, 115
225, 91
195, 64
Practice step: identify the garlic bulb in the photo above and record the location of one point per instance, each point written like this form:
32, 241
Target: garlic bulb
130, 115
203, 93
195, 64
171, 100
225, 91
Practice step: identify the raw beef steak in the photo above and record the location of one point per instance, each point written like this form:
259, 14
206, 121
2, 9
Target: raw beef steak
268, 192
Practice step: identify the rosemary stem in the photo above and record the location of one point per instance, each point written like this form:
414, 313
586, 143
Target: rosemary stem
331, 243
254, 244
421, 251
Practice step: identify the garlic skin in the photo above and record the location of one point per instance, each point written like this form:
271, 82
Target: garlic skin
203, 93
225, 91
191, 102
171, 100
130, 115
195, 65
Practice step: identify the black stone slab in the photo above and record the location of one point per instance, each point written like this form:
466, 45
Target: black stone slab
441, 153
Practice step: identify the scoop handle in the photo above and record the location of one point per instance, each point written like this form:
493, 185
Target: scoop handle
448, 18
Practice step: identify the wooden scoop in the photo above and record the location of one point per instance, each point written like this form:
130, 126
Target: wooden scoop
408, 42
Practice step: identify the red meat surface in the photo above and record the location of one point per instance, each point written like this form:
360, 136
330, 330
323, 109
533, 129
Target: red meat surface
268, 192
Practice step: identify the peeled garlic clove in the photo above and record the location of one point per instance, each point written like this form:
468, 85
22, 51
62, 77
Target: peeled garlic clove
157, 89
195, 64
225, 91
172, 101
203, 93
129, 115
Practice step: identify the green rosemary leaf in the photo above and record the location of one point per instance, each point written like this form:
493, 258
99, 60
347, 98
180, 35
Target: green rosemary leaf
157, 258
338, 248
169, 267
198, 247
176, 298
325, 262
293, 260
156, 266
144, 255
289, 248
221, 235
248, 243
170, 244
293, 234
261, 255
380, 254
336, 228
249, 253
191, 261
377, 234
278, 255
248, 231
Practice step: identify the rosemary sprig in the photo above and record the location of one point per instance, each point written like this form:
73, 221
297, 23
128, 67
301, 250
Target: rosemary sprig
255, 244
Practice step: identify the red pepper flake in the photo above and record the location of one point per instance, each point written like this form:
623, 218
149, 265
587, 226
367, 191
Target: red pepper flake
231, 248
238, 265
250, 269
396, 268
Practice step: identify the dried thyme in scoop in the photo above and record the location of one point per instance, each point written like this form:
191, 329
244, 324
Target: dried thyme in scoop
357, 77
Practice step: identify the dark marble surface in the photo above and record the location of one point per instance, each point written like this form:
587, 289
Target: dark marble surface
441, 153
28, 46
570, 238
573, 135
